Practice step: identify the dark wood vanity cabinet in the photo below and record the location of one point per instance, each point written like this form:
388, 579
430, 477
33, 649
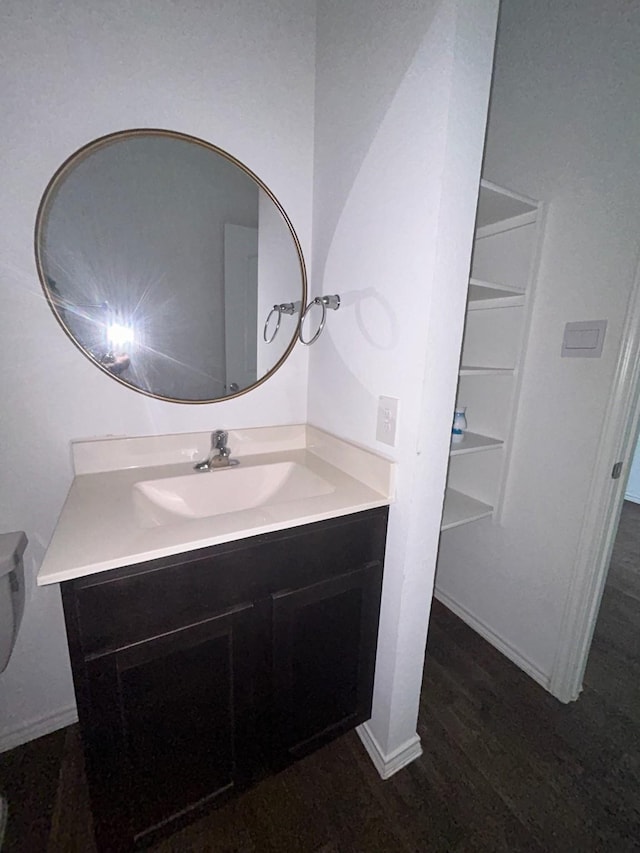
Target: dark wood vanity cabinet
198, 674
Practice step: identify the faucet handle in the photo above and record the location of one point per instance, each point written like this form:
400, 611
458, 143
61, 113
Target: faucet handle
219, 439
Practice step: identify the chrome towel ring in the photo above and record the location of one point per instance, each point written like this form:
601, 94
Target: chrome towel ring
332, 302
282, 308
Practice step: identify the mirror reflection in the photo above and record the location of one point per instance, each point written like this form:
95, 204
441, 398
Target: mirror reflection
162, 257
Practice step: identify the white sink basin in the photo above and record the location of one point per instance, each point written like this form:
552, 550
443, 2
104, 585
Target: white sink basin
209, 493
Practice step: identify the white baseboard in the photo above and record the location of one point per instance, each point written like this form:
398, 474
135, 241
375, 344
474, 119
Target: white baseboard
631, 496
495, 639
37, 728
387, 765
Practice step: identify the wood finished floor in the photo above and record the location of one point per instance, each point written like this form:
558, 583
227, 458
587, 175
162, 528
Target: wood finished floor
505, 766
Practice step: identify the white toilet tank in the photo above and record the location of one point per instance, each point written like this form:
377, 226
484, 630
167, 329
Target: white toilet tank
12, 547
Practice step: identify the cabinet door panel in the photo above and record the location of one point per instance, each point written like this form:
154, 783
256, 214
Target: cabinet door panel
196, 674
324, 643
183, 702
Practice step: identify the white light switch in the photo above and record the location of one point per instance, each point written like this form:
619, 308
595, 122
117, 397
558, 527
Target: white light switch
583, 339
387, 420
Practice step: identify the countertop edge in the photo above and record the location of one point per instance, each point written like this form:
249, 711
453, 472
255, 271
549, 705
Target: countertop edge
54, 577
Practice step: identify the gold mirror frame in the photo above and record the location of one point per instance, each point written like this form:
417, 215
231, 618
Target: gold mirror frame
108, 139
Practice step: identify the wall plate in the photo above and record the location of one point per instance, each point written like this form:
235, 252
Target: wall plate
583, 339
387, 422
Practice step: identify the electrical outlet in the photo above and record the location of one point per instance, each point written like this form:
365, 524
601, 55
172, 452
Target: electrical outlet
387, 420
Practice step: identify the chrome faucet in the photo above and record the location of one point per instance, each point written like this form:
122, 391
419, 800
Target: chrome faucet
219, 454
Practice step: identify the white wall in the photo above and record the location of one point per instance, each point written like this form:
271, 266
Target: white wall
564, 128
239, 75
633, 483
401, 98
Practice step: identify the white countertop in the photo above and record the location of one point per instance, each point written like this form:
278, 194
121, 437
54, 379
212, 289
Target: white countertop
99, 528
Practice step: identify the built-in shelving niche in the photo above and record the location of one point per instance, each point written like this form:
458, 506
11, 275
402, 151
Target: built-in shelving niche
497, 318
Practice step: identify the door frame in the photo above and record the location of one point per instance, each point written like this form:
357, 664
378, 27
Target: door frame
602, 511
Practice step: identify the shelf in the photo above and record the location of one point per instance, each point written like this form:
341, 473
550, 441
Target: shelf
487, 294
504, 244
494, 289
461, 509
473, 442
468, 370
496, 204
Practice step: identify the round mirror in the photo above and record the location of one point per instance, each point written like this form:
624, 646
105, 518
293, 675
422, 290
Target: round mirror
170, 265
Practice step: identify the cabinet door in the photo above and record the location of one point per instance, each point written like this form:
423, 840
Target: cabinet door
171, 725
324, 648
